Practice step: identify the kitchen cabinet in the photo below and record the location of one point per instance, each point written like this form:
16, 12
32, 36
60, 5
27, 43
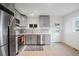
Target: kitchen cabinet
44, 21
46, 38
23, 21
17, 15
37, 39
10, 6
32, 39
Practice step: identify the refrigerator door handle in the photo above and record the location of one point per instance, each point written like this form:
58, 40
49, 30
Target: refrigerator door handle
11, 20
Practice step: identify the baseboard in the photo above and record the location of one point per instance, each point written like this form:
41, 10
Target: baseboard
37, 44
56, 42
71, 46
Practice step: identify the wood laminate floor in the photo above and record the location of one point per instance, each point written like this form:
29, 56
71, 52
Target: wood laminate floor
55, 49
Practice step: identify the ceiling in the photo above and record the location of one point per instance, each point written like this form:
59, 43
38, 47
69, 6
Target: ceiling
55, 9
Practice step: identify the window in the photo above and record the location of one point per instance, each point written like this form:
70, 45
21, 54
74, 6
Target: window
31, 25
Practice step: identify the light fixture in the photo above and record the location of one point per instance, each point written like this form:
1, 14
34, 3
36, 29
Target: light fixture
31, 14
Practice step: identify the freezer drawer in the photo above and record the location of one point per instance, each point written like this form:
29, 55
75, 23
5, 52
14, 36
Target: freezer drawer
4, 50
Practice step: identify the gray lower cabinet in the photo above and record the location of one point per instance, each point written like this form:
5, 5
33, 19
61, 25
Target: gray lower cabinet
32, 39
46, 38
27, 39
36, 39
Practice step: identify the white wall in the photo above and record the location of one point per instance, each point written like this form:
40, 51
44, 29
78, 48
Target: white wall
71, 38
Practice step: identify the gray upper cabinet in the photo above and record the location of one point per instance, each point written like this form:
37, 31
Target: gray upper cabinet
24, 21
17, 15
44, 21
10, 6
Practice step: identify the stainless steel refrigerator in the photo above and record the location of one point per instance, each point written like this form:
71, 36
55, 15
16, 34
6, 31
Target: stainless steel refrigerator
7, 35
